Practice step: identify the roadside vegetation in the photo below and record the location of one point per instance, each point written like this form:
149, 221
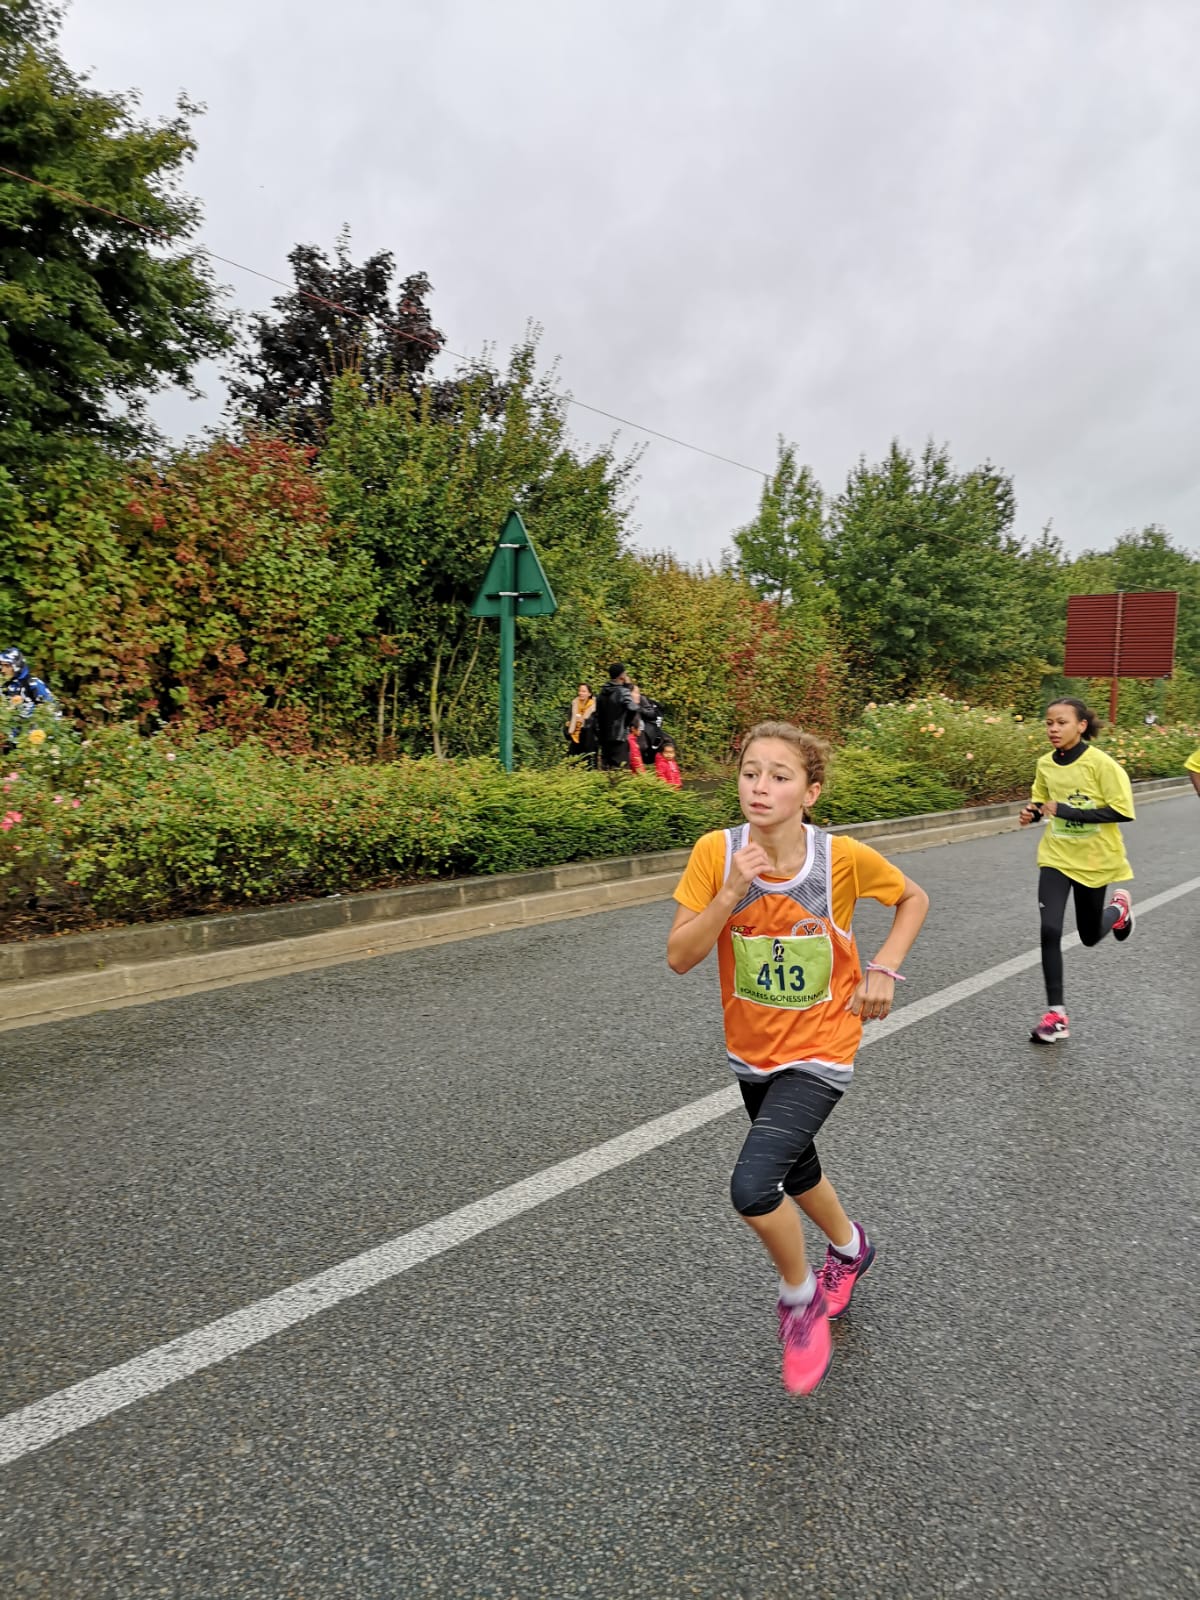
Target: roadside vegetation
261, 645
124, 826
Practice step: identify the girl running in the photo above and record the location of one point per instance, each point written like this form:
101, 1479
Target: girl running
776, 896
1086, 794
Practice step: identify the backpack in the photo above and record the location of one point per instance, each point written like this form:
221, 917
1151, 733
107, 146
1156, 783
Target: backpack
652, 728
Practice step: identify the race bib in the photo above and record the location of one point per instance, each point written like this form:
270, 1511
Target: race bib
792, 971
1076, 830
1072, 830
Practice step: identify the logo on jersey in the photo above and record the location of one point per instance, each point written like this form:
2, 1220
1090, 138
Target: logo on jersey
809, 928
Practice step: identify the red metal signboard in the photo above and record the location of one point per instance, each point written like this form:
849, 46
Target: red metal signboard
1121, 635
1148, 634
1091, 636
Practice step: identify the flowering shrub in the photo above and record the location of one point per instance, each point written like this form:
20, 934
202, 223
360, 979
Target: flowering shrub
151, 827
1151, 752
121, 826
989, 754
982, 753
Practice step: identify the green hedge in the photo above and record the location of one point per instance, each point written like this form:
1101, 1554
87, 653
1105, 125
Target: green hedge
123, 827
128, 827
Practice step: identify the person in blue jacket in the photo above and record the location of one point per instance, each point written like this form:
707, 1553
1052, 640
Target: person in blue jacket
20, 686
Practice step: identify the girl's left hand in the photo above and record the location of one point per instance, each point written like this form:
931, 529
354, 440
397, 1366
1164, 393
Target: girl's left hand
872, 999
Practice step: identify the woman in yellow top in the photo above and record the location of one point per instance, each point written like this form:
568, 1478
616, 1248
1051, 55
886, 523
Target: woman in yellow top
1086, 795
776, 897
582, 707
1192, 767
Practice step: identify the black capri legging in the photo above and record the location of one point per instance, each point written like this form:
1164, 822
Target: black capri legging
1092, 918
779, 1156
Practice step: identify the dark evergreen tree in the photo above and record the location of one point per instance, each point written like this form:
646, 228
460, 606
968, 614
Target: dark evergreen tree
339, 318
96, 313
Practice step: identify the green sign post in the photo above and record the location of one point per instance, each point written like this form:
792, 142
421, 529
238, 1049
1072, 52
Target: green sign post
513, 586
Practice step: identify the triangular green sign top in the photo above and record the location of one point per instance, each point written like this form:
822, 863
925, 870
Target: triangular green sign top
514, 572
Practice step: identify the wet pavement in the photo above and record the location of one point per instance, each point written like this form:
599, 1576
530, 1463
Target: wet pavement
584, 1400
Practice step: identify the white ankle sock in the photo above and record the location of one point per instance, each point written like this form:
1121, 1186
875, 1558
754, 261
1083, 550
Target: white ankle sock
849, 1252
1059, 1010
801, 1294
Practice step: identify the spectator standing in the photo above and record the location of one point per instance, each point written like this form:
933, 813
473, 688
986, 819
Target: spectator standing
651, 736
667, 766
581, 727
616, 712
636, 763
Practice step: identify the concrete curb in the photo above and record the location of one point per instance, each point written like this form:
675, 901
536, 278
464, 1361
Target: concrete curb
45, 980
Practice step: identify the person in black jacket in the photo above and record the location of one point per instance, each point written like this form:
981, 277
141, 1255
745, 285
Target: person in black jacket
616, 710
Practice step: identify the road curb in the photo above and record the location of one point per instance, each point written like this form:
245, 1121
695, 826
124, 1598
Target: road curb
47, 980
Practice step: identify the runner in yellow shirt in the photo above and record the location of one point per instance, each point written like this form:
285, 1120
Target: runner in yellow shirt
1192, 767
1085, 794
776, 898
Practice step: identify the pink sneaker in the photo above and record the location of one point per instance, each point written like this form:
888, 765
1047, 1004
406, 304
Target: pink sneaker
807, 1345
1051, 1028
838, 1276
1123, 926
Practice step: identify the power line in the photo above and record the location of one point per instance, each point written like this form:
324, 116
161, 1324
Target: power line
438, 346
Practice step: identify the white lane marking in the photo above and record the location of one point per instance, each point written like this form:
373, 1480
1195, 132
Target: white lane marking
65, 1412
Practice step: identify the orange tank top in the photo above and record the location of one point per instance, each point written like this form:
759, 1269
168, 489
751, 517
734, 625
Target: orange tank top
787, 972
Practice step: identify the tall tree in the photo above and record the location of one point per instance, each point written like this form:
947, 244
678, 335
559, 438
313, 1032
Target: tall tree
1045, 583
427, 487
96, 313
925, 572
339, 318
781, 552
1146, 560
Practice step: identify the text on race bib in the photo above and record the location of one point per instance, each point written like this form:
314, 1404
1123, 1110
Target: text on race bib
1072, 830
792, 971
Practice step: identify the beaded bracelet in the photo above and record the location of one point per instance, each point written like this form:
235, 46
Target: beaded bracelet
897, 977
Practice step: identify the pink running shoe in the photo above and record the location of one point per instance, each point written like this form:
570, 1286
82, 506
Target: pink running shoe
807, 1345
1051, 1028
838, 1276
1123, 926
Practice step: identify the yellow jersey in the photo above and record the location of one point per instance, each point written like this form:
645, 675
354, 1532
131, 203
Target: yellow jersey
1192, 764
1091, 853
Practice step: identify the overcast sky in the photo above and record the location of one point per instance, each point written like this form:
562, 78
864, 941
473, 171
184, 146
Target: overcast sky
976, 220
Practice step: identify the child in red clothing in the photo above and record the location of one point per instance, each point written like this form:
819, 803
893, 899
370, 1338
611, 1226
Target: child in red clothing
667, 767
636, 764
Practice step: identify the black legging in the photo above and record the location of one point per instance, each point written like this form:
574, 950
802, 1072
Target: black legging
1092, 918
779, 1156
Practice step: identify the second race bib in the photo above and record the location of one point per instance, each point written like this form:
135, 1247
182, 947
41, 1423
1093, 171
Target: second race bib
1072, 830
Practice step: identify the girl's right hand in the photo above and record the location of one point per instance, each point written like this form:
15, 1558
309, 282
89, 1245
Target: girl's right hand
1030, 814
747, 864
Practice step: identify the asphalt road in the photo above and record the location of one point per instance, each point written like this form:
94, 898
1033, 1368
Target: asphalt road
584, 1401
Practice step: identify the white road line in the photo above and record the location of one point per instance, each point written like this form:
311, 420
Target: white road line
65, 1412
